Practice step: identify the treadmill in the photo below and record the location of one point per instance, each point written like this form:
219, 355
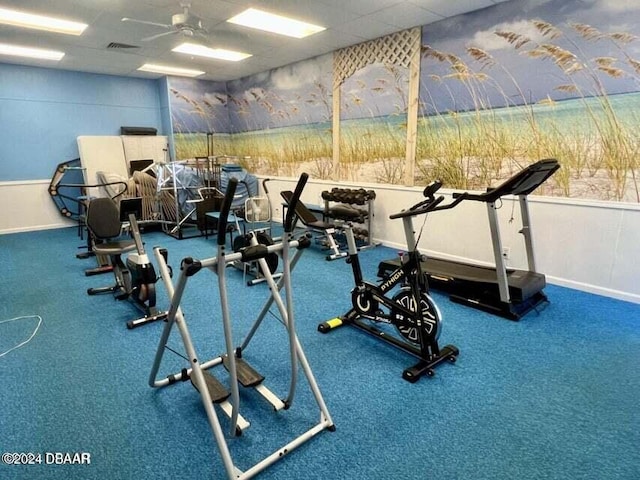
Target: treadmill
503, 291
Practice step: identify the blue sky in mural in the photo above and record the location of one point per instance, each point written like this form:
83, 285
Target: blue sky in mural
198, 106
296, 94
577, 47
375, 91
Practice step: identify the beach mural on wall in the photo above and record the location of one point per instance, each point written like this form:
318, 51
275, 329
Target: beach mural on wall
531, 79
281, 119
373, 124
499, 88
199, 117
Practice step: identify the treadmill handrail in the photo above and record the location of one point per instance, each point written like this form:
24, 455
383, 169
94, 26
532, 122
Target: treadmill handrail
522, 183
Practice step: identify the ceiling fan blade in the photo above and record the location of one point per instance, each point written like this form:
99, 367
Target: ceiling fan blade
202, 33
153, 37
163, 25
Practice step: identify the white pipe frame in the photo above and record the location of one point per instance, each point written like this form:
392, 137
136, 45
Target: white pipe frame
238, 423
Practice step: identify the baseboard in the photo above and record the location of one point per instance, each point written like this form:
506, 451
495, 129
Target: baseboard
37, 228
595, 289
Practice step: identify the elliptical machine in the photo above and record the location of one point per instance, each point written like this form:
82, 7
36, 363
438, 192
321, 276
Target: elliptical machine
134, 281
411, 310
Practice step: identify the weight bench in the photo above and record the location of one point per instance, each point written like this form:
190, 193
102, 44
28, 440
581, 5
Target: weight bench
313, 225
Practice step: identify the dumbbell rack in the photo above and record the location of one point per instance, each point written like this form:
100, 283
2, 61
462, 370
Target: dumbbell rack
339, 205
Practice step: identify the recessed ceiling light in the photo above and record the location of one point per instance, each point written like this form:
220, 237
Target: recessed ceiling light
182, 72
40, 22
270, 22
18, 51
218, 53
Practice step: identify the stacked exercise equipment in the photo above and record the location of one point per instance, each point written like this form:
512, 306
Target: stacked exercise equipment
410, 310
213, 391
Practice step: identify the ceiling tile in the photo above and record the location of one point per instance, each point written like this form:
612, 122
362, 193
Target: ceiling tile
361, 7
405, 16
448, 8
348, 22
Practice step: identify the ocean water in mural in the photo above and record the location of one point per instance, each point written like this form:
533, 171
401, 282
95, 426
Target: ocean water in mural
192, 145
530, 79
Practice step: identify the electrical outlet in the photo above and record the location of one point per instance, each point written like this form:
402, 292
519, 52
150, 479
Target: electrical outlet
506, 251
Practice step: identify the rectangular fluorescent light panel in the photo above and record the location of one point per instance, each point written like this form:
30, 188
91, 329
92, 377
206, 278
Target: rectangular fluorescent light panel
182, 72
269, 22
217, 53
39, 53
40, 22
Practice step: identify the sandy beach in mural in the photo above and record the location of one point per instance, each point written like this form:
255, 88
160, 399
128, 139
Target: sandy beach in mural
565, 183
585, 172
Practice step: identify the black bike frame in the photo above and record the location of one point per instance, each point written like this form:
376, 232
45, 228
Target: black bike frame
409, 272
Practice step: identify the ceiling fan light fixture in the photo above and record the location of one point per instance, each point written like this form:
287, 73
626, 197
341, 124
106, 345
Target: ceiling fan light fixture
181, 72
270, 22
29, 52
40, 22
217, 53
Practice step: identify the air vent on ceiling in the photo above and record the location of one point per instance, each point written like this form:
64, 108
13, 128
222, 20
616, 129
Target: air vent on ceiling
116, 45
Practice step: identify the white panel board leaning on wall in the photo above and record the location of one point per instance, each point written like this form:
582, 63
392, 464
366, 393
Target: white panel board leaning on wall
111, 155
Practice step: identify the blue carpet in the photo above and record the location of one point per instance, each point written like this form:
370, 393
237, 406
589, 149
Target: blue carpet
553, 396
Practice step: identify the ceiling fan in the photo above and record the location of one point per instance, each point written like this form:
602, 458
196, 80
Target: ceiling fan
184, 23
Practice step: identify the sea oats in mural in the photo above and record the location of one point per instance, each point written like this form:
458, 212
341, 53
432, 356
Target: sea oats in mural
199, 117
373, 130
575, 111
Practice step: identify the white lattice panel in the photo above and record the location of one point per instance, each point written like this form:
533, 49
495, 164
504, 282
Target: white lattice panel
395, 49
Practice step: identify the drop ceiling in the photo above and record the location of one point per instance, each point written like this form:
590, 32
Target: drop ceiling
113, 47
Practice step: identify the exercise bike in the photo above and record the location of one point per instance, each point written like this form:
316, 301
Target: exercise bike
134, 280
410, 310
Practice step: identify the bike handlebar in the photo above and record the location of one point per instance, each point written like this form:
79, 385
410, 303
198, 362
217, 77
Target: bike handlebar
431, 204
224, 210
264, 185
432, 188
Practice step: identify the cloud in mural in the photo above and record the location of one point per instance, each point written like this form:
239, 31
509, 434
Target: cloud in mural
296, 94
617, 5
488, 40
296, 75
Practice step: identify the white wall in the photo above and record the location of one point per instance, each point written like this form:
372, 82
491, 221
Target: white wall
27, 205
590, 246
